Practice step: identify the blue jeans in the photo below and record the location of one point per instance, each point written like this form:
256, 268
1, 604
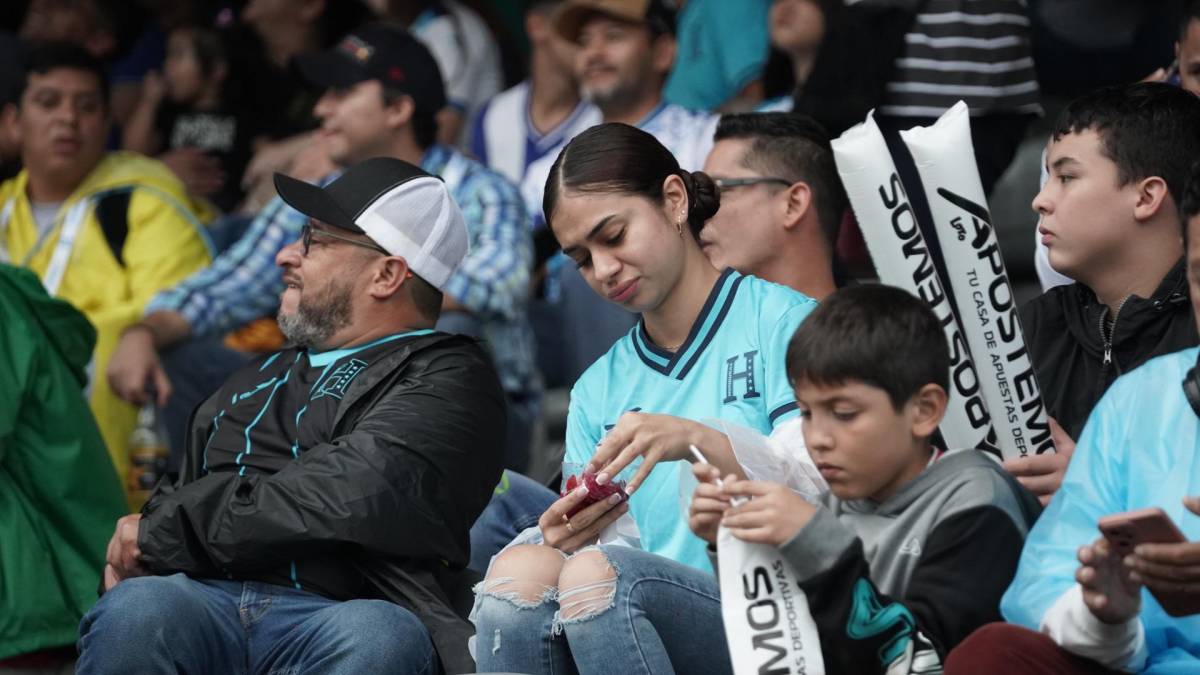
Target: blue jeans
664, 617
177, 624
517, 503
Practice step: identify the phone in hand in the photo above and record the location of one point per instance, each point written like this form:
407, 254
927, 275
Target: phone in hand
1149, 526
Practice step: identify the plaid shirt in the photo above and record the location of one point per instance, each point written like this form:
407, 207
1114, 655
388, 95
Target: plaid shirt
244, 284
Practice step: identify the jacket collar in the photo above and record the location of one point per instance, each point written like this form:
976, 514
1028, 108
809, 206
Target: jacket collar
1136, 314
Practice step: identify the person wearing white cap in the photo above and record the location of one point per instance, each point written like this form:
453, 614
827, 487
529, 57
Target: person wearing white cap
324, 477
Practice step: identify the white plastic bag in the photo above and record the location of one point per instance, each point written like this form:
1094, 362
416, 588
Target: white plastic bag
945, 159
902, 259
767, 622
781, 457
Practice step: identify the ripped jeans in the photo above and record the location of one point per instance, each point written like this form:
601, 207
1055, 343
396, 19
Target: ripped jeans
656, 617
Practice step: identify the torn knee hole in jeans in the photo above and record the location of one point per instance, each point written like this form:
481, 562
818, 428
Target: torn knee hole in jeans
586, 601
522, 593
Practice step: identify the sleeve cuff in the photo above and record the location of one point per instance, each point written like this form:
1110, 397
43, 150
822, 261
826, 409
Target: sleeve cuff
1073, 627
818, 545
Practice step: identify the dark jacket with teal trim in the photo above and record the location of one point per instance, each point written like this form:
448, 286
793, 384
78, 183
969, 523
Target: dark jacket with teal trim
893, 586
383, 506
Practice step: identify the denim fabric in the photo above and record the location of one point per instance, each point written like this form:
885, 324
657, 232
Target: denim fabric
664, 617
516, 504
178, 624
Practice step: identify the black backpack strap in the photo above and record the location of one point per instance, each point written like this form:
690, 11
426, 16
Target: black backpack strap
112, 212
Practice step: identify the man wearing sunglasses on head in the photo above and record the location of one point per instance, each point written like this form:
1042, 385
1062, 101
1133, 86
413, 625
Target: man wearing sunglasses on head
326, 476
781, 201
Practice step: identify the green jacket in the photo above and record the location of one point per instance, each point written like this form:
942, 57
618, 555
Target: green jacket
59, 494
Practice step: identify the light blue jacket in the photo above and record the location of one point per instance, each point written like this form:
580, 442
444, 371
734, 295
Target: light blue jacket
1140, 448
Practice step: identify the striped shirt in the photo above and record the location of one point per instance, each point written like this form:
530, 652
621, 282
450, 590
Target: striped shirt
244, 284
975, 50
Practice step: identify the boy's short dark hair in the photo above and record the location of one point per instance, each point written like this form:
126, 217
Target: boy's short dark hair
878, 335
47, 56
795, 147
1146, 129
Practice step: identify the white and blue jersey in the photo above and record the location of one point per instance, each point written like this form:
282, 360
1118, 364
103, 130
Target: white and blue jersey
505, 140
730, 368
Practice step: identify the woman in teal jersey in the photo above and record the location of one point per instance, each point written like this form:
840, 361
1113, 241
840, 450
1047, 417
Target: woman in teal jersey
710, 346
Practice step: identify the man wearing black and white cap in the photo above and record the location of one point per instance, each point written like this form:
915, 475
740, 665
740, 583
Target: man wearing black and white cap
326, 476
382, 93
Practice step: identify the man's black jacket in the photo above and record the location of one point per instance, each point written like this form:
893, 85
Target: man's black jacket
1064, 330
388, 500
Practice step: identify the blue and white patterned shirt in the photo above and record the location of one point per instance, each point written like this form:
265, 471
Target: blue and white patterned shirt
243, 283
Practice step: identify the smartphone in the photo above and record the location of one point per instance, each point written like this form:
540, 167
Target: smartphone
1149, 526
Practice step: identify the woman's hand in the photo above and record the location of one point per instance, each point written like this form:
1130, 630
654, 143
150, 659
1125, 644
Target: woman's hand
657, 438
569, 534
709, 503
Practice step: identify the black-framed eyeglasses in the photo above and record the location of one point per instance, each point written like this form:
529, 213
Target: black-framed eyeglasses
724, 184
306, 235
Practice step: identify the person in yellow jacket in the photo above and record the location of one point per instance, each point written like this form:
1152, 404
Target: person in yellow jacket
103, 231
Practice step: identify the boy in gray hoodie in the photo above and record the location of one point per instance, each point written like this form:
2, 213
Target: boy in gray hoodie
912, 547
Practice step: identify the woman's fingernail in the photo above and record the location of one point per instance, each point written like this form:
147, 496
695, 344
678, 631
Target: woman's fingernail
1139, 550
1129, 561
629, 490
581, 491
615, 499
602, 478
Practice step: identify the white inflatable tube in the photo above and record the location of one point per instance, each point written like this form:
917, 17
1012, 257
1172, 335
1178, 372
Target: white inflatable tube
945, 159
902, 260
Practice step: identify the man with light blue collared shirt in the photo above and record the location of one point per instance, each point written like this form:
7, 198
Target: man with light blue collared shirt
382, 94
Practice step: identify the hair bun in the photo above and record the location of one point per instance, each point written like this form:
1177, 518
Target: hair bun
703, 198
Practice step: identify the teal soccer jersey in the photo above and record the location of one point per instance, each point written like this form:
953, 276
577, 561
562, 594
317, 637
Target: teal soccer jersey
730, 368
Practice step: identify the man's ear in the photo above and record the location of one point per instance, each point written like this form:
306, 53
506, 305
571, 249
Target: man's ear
662, 53
928, 406
400, 112
1152, 194
388, 275
537, 27
798, 202
10, 115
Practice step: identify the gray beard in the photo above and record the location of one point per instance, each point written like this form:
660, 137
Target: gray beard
318, 318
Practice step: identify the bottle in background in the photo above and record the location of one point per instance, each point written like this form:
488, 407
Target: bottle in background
147, 457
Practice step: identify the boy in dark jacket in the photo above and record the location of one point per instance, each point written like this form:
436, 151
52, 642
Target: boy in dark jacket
1118, 160
912, 547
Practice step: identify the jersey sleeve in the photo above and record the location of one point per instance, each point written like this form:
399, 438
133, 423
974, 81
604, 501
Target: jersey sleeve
781, 400
582, 433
